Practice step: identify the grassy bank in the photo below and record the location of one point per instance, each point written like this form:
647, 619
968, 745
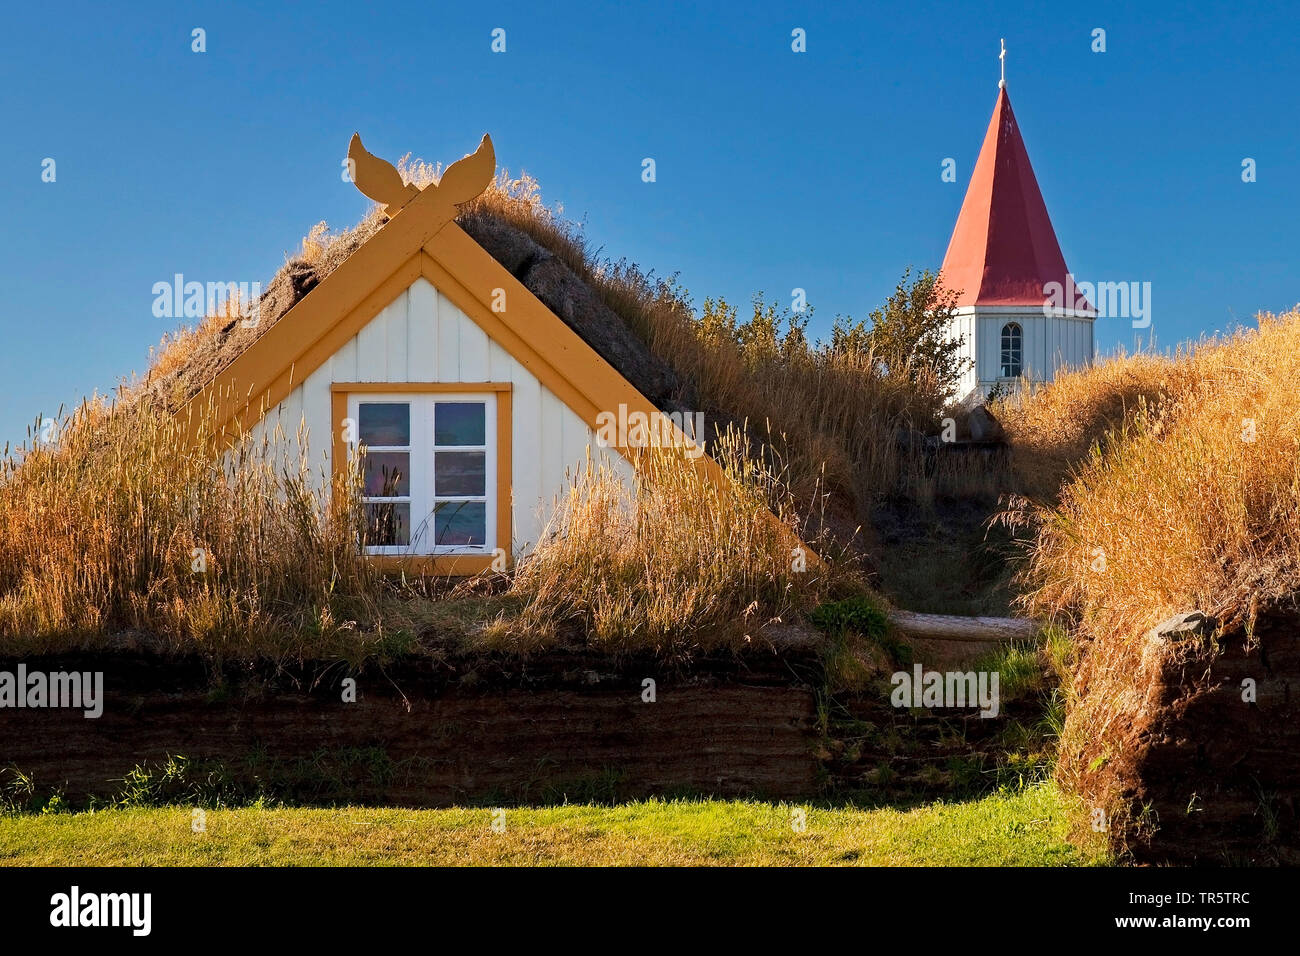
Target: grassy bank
1188, 500
1025, 828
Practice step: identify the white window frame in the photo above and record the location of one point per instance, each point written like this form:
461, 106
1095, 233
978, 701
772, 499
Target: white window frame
422, 449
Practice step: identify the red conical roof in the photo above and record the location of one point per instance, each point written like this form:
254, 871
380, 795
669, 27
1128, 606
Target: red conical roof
1003, 250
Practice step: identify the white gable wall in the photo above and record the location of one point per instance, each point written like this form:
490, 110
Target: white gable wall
423, 337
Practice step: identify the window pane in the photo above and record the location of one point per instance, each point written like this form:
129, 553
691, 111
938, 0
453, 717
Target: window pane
388, 474
459, 423
1011, 351
460, 523
384, 423
388, 525
460, 473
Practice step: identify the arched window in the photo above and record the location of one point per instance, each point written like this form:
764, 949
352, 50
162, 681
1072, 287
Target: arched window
1012, 351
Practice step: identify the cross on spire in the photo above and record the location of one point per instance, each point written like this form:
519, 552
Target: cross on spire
1002, 83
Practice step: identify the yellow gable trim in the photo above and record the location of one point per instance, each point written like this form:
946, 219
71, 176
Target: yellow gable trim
305, 336
336, 310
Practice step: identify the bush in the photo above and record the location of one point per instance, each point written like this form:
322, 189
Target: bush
860, 614
863, 618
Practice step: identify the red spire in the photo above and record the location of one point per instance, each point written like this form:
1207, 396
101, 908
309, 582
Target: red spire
1003, 249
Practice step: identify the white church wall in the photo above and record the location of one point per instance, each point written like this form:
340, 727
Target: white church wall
963, 327
1048, 344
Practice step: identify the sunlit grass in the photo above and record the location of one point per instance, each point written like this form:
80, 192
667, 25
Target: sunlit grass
1027, 828
1191, 501
1195, 503
670, 558
125, 521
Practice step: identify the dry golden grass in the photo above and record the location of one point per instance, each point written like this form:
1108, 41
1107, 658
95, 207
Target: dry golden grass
1194, 503
670, 560
101, 533
1054, 427
829, 416
831, 413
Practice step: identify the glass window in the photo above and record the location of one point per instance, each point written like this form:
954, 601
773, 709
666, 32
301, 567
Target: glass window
427, 463
460, 476
384, 423
460, 473
460, 423
1012, 351
388, 525
388, 473
460, 524
384, 430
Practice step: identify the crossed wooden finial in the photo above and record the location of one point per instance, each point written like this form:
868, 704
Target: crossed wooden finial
379, 179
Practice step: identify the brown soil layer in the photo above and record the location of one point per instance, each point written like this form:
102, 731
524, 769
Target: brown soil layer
1222, 775
425, 733
1207, 776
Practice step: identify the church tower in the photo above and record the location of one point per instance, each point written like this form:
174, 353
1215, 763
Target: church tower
1005, 264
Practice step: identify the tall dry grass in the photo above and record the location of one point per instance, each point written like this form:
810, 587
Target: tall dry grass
833, 413
670, 560
1054, 427
1193, 503
124, 525
284, 572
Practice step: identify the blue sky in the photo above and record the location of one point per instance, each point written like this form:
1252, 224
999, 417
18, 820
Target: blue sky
775, 170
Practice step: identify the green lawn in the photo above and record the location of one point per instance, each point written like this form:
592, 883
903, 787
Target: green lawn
1028, 828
